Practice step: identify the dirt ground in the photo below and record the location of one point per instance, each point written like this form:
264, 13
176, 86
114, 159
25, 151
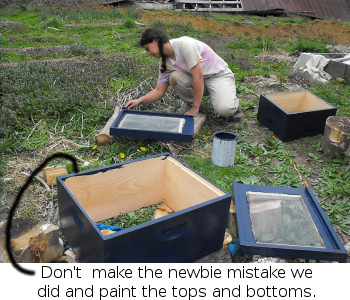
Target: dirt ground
332, 31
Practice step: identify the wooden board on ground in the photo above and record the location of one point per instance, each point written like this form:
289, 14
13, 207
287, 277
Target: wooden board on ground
51, 173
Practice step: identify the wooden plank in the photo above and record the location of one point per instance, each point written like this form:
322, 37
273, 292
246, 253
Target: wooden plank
51, 174
211, 9
201, 5
207, 2
336, 9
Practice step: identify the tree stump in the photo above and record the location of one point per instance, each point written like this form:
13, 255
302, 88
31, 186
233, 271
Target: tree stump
336, 138
31, 241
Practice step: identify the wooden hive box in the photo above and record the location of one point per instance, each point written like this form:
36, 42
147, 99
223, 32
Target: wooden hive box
284, 222
292, 115
195, 229
153, 125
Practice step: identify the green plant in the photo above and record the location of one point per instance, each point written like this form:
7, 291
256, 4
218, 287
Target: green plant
2, 206
78, 50
132, 218
129, 23
55, 23
305, 45
264, 44
27, 212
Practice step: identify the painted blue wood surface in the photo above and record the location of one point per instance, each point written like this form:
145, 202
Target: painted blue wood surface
185, 136
334, 249
289, 126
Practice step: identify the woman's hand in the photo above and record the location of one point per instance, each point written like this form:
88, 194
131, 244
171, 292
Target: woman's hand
132, 103
193, 111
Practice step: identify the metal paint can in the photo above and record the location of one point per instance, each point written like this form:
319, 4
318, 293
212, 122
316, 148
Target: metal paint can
224, 149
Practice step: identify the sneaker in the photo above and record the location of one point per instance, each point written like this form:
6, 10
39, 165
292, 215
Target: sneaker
237, 116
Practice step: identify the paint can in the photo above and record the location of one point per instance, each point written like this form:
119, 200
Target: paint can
224, 149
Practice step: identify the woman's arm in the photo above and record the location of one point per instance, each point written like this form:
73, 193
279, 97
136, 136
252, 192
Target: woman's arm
198, 88
154, 95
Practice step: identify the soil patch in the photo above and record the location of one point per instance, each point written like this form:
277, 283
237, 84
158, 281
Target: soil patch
332, 31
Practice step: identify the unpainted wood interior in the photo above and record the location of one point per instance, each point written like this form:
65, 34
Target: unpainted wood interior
107, 194
298, 101
185, 188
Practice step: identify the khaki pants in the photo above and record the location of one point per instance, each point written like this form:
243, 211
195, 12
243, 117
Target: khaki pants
221, 88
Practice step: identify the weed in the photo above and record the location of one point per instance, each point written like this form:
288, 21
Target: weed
264, 44
2, 206
55, 23
11, 57
305, 45
78, 50
336, 94
132, 218
120, 84
27, 212
132, 13
129, 23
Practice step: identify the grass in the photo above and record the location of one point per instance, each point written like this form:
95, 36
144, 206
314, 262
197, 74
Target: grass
44, 100
305, 45
256, 20
132, 218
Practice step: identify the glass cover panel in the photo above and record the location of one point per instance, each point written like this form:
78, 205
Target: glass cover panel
152, 123
282, 219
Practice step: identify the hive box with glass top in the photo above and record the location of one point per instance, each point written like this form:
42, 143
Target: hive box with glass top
153, 125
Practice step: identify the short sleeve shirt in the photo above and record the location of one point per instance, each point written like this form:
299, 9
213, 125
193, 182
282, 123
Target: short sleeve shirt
188, 53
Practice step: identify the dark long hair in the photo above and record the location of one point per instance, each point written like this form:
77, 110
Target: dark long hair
151, 34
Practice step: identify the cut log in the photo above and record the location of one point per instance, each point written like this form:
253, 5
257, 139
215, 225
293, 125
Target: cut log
336, 138
199, 121
51, 173
39, 243
3, 253
104, 137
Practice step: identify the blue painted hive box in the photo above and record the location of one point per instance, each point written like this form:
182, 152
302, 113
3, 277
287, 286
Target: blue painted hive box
195, 228
153, 125
284, 222
292, 115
